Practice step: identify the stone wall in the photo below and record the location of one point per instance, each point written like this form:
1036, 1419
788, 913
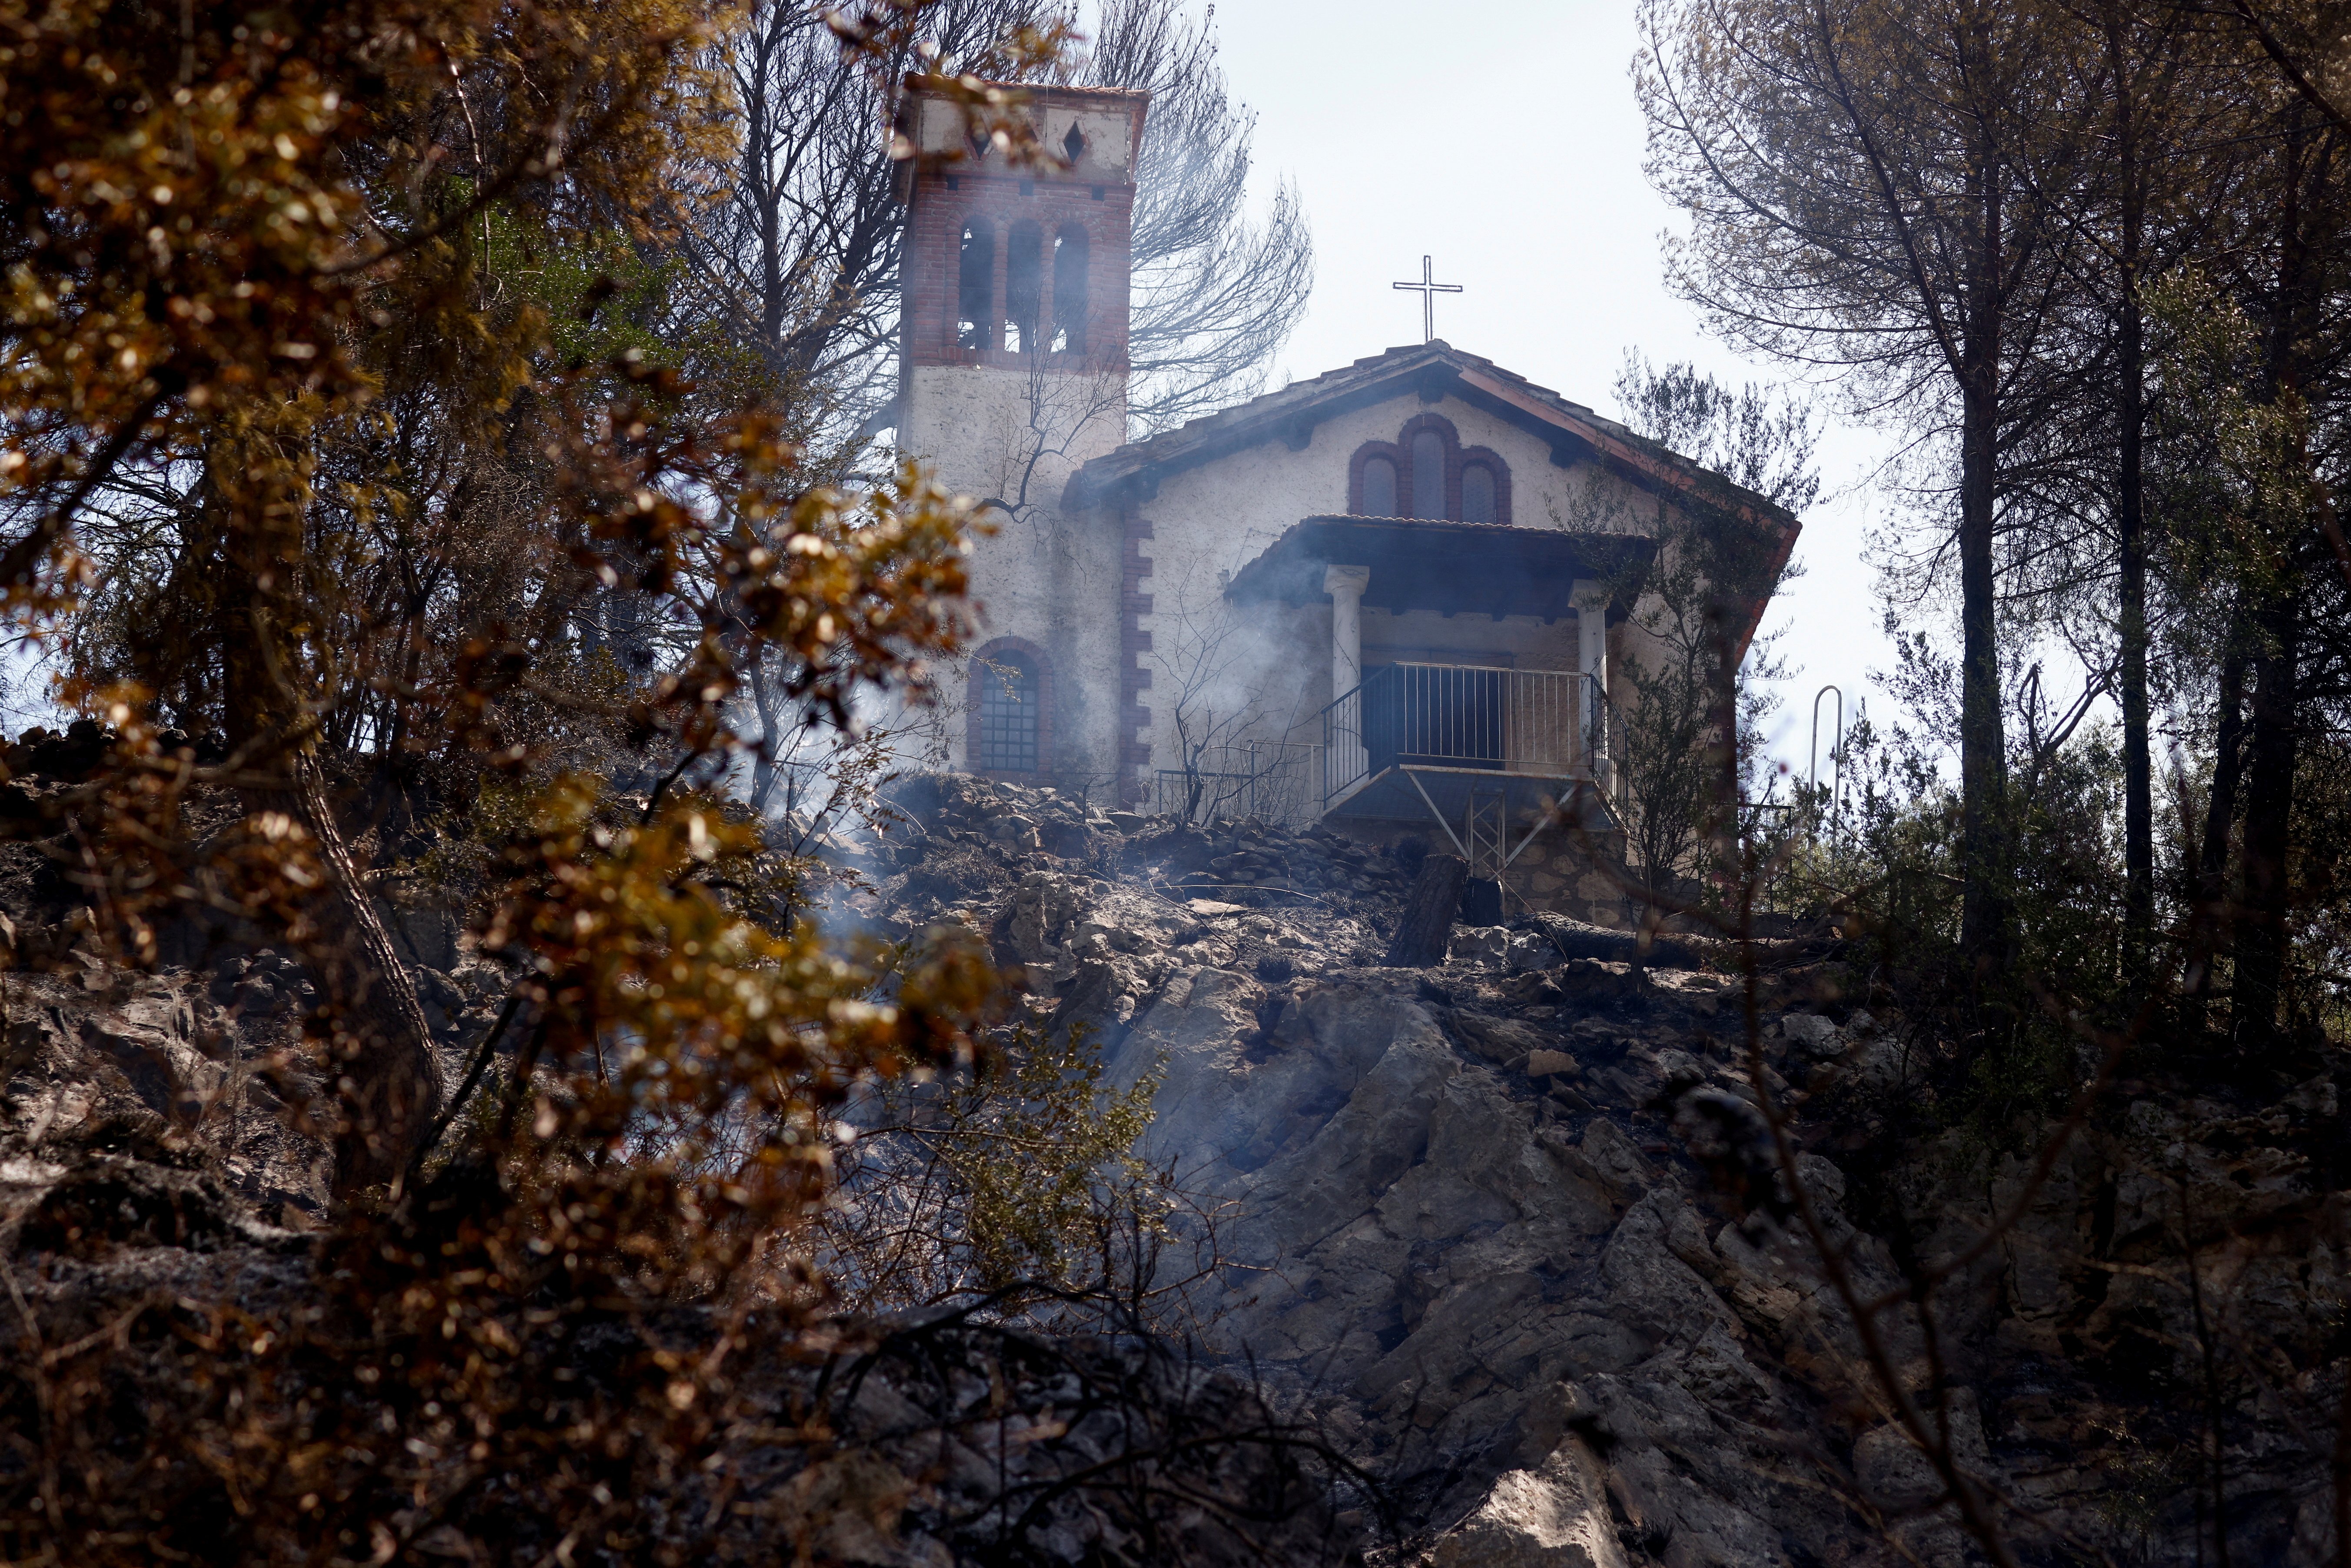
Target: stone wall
1578, 874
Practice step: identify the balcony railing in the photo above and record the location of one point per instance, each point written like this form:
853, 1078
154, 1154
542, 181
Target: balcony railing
1538, 723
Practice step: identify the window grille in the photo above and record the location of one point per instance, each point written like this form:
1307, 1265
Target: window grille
1008, 708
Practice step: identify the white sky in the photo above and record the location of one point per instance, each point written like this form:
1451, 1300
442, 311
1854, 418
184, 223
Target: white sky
1505, 141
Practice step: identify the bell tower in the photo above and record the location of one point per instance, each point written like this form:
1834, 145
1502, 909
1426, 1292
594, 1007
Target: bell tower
1013, 317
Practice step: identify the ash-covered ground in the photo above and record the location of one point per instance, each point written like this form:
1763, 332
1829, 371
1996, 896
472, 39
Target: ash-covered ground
1508, 1234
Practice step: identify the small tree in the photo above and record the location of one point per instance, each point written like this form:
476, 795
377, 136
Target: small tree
1710, 573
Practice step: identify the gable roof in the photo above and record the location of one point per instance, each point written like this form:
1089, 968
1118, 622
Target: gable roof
1434, 371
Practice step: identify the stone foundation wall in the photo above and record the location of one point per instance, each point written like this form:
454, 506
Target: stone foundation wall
1578, 874
1583, 878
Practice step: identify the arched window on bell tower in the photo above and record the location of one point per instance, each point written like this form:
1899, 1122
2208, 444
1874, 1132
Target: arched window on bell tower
1024, 286
975, 285
1070, 255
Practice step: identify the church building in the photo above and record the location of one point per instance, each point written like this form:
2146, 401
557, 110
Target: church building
1403, 596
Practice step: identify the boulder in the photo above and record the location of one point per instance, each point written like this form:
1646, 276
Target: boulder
1553, 1517
1066, 838
1037, 919
1484, 945
1615, 1160
1014, 832
1504, 1042
1649, 1282
1813, 1036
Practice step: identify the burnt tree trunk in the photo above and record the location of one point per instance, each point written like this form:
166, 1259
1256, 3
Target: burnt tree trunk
2130, 517
2261, 931
2214, 914
2264, 918
386, 1076
1429, 912
383, 1074
1983, 749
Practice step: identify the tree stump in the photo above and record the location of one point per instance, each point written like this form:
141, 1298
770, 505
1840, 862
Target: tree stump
1429, 910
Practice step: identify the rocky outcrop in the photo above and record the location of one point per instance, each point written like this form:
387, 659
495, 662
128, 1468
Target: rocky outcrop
1510, 1227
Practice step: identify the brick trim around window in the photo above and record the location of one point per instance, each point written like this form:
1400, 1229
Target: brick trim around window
1456, 458
1133, 732
977, 674
1492, 461
1365, 454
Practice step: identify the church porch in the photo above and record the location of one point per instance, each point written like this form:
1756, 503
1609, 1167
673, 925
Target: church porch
1492, 753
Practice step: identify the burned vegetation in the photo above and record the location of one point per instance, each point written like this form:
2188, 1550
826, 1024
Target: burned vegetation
1574, 1237
225, 1359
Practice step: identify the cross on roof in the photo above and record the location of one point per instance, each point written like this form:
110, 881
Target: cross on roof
1428, 289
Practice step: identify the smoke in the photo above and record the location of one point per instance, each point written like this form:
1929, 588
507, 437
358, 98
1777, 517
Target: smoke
1240, 698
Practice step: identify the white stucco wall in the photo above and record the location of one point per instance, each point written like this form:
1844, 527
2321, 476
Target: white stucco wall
1015, 435
1208, 522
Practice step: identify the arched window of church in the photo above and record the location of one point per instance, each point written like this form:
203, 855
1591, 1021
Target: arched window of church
1010, 707
1069, 288
1428, 475
1477, 494
974, 285
1379, 488
1024, 286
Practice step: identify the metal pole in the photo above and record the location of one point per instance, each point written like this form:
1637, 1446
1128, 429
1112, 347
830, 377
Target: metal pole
1836, 745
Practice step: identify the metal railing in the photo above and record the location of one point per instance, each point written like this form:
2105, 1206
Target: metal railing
1543, 723
1273, 781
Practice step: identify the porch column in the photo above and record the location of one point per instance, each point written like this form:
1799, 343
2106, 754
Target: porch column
1591, 600
1345, 585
